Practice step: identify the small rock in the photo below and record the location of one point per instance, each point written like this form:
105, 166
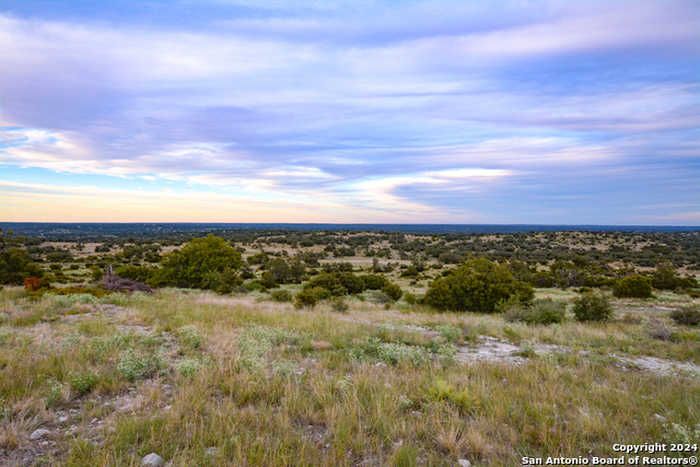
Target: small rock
152, 459
40, 433
464, 463
63, 419
211, 451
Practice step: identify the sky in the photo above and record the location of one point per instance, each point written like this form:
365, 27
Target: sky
362, 111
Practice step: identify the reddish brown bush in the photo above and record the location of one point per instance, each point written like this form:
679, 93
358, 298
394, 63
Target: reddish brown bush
32, 284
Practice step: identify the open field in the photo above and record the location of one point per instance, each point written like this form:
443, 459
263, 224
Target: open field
205, 379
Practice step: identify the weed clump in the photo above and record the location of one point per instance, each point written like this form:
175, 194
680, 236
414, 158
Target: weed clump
688, 315
68, 300
188, 367
392, 353
189, 336
257, 341
658, 330
395, 353
281, 295
339, 305
83, 382
542, 311
441, 390
55, 394
132, 366
449, 333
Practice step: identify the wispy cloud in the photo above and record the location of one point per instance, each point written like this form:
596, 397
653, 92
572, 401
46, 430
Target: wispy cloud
423, 110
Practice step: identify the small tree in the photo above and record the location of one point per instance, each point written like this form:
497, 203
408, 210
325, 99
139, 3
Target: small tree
198, 264
635, 285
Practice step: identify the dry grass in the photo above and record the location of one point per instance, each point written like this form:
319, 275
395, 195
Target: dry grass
265, 384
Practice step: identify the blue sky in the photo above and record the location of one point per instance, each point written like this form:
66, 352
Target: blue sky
579, 112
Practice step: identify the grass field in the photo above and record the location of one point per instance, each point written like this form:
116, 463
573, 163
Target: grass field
202, 379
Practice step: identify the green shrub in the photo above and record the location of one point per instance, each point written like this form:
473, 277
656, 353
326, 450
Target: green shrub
203, 263
94, 291
393, 353
189, 336
16, 265
542, 279
221, 282
338, 283
137, 273
132, 366
688, 315
396, 353
255, 342
393, 291
541, 311
379, 297
634, 286
309, 297
441, 390
188, 367
83, 382
280, 272
339, 305
330, 282
54, 394
66, 301
449, 333
410, 298
373, 281
478, 285
592, 307
666, 278
281, 295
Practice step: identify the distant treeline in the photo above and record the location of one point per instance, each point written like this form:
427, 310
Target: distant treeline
88, 231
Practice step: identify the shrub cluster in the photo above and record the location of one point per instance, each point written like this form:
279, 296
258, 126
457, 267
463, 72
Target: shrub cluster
633, 286
666, 278
478, 285
16, 265
338, 284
